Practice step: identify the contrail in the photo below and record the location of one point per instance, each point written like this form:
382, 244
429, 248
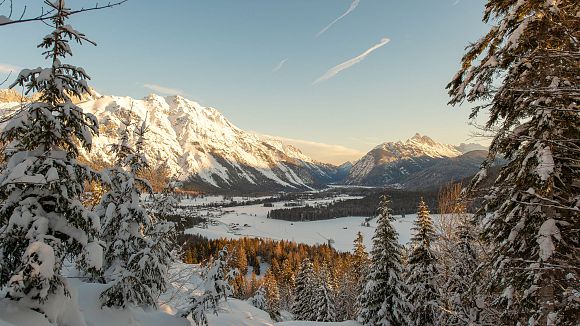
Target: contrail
352, 7
164, 90
351, 62
280, 65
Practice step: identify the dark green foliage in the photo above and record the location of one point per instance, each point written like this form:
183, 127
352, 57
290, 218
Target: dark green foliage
304, 305
404, 202
42, 220
525, 70
422, 271
138, 250
383, 300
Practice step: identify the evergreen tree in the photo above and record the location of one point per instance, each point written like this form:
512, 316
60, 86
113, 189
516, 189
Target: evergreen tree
287, 284
346, 297
165, 203
324, 297
138, 251
305, 292
253, 285
422, 271
464, 304
360, 264
42, 219
360, 255
239, 262
351, 278
272, 296
525, 70
258, 300
216, 285
383, 299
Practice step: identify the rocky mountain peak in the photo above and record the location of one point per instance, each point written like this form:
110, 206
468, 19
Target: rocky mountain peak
202, 146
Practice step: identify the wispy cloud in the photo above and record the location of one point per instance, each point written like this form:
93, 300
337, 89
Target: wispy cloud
350, 9
6, 69
328, 153
279, 65
456, 2
351, 62
164, 90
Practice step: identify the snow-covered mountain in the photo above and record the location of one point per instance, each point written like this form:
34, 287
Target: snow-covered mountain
205, 149
392, 163
211, 154
464, 148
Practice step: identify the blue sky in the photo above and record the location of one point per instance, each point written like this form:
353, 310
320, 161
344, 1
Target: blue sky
262, 64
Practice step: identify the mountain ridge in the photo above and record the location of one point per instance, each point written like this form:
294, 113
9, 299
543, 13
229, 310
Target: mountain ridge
203, 147
209, 153
399, 164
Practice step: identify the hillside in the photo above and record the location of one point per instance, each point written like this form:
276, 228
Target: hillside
417, 163
202, 147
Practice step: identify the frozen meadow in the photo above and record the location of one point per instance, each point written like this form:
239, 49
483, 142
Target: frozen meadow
251, 221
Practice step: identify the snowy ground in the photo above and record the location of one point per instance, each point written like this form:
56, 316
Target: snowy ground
231, 222
342, 230
84, 296
251, 221
82, 308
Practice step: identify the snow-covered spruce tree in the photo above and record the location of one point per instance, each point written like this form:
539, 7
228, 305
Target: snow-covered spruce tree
422, 271
258, 300
462, 300
238, 260
305, 292
42, 220
215, 286
324, 298
165, 203
287, 283
383, 299
360, 256
525, 70
350, 282
360, 262
343, 298
272, 296
138, 247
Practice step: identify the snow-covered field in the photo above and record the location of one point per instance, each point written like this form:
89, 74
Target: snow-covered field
219, 199
251, 221
83, 309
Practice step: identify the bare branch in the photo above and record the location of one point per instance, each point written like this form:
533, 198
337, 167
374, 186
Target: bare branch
51, 13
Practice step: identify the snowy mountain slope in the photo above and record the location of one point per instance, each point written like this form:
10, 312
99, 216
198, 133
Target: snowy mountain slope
211, 154
447, 169
201, 146
391, 163
465, 148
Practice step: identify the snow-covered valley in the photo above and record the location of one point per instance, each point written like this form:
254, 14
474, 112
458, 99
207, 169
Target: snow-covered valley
251, 221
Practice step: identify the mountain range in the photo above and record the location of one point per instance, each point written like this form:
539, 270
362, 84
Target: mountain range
210, 154
418, 162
